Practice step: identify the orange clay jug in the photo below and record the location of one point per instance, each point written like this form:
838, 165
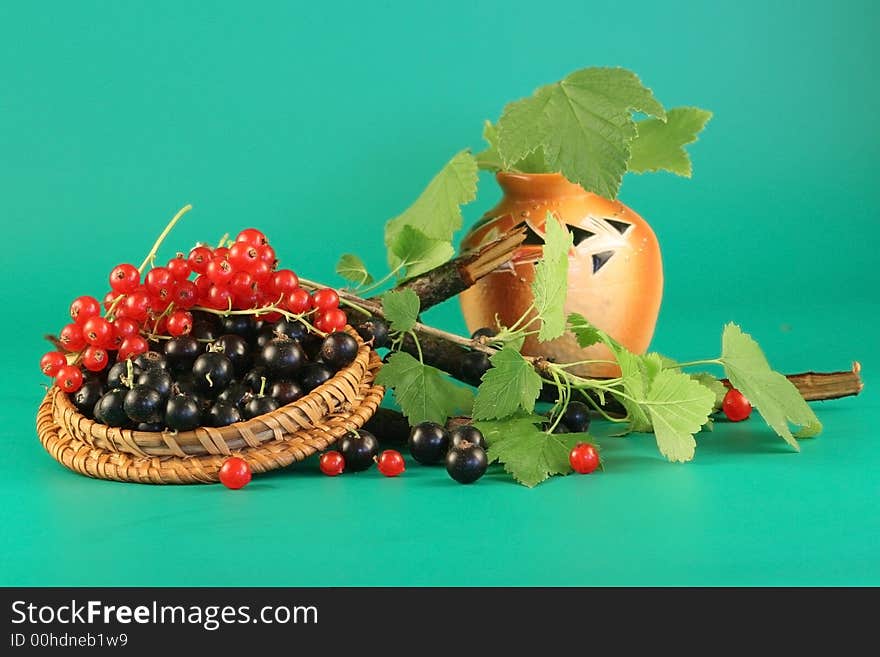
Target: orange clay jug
615, 275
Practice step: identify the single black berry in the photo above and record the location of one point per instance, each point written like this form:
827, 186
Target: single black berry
473, 365
117, 377
264, 335
222, 414
150, 426
285, 392
143, 404
181, 353
469, 433
466, 463
292, 328
485, 332
151, 359
260, 406
236, 393
236, 349
158, 379
243, 325
358, 449
206, 326
576, 417
87, 396
428, 442
212, 371
311, 344
282, 357
182, 413
339, 350
254, 379
374, 330
110, 409
313, 375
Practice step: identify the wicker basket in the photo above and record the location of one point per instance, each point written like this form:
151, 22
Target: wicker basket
274, 440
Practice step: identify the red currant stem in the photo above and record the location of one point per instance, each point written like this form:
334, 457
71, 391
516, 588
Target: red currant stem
693, 363
109, 315
262, 387
164, 313
601, 411
152, 254
223, 240
263, 310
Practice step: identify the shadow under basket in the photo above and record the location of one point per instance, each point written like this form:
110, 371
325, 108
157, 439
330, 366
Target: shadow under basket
267, 442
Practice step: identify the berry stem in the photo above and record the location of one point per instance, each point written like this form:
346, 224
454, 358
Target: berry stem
152, 254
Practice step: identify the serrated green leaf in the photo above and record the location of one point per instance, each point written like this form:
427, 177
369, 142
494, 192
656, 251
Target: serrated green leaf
660, 144
527, 453
582, 124
423, 392
678, 407
353, 269
510, 385
401, 309
437, 212
585, 333
489, 159
774, 396
637, 374
550, 284
712, 382
418, 252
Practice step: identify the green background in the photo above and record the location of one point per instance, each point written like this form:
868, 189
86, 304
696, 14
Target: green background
317, 124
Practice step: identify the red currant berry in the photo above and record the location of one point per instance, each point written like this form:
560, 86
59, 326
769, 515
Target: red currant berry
124, 278
94, 359
267, 255
136, 306
735, 406
583, 458
158, 305
185, 295
261, 273
110, 298
69, 378
84, 308
221, 252
244, 257
391, 463
71, 337
158, 279
325, 299
298, 301
283, 282
220, 272
125, 326
199, 257
180, 323
51, 362
331, 463
179, 267
97, 331
235, 473
252, 236
331, 320
132, 347
219, 298
203, 286
242, 284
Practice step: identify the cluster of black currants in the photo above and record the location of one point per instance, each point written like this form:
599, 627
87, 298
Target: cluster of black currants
227, 369
463, 449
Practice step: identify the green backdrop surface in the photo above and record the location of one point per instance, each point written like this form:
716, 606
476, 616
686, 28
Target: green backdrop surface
319, 124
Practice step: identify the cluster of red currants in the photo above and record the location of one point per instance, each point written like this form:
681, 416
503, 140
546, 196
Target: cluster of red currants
239, 277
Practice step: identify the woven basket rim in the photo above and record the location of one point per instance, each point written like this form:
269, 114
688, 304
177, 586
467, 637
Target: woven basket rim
205, 440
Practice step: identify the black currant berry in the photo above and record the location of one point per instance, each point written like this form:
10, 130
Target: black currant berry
264, 335
150, 426
222, 414
206, 326
466, 463
254, 379
358, 449
110, 409
157, 379
117, 377
236, 393
236, 349
243, 325
181, 353
313, 375
184, 382
282, 357
428, 443
339, 350
374, 329
293, 329
473, 365
311, 344
213, 371
468, 433
143, 404
182, 413
485, 332
576, 417
87, 396
285, 392
150, 360
260, 406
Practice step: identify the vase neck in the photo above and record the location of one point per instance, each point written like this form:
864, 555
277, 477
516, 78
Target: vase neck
529, 186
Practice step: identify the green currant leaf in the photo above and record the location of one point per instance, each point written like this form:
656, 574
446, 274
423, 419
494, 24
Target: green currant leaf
489, 159
583, 125
587, 335
424, 393
527, 453
678, 407
401, 309
437, 212
637, 374
353, 269
510, 385
774, 396
712, 382
419, 253
660, 145
550, 284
